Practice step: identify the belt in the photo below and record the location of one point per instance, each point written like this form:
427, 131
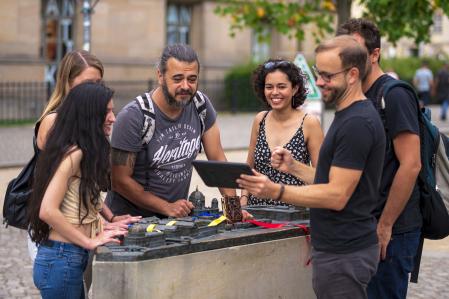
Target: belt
59, 244
49, 243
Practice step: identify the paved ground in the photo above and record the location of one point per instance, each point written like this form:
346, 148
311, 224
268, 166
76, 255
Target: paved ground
15, 266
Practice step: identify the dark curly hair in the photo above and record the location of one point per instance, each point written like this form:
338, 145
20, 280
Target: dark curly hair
294, 74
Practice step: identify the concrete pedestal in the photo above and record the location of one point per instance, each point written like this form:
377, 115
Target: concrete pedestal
272, 269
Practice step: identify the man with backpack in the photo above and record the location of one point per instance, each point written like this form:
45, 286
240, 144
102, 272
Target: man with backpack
398, 211
158, 135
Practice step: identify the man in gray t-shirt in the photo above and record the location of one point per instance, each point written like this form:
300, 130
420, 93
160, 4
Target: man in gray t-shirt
154, 178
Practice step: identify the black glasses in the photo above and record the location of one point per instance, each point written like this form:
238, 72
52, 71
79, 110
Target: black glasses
273, 64
327, 77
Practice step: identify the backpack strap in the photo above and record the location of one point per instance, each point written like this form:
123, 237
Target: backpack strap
149, 125
200, 105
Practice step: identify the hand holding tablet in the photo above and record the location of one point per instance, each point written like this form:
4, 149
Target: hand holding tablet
221, 174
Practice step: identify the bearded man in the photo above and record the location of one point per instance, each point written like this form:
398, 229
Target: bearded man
345, 249
151, 175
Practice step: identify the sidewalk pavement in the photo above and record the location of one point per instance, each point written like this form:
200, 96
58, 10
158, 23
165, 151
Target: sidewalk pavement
16, 267
16, 146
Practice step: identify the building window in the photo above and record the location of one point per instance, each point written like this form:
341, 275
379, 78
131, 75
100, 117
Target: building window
57, 28
178, 23
260, 47
56, 34
438, 23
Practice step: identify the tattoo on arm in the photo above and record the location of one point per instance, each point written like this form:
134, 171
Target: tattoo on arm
124, 158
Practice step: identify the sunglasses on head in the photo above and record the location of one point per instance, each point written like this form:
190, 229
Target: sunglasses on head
273, 64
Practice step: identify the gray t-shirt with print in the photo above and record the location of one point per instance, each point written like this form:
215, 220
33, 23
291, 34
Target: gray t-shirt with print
170, 152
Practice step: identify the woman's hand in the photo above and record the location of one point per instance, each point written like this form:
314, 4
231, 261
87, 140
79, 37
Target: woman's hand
121, 222
127, 219
107, 236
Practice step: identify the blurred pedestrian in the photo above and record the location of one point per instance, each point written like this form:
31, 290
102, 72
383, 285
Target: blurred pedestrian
423, 82
441, 90
392, 73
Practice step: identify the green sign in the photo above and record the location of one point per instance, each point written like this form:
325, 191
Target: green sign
314, 93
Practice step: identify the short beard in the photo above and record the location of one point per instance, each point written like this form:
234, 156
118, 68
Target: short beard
336, 95
171, 101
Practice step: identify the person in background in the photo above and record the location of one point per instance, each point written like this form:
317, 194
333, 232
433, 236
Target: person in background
69, 176
284, 131
423, 81
441, 90
398, 210
392, 73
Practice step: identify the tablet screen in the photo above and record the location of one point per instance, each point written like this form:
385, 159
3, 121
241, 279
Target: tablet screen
221, 174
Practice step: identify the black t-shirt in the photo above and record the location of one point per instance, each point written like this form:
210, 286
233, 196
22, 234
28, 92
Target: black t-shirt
401, 115
355, 140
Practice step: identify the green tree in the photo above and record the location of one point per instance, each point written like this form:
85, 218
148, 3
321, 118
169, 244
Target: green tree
396, 19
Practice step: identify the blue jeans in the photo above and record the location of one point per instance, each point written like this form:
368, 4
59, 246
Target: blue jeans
424, 97
58, 270
444, 106
391, 279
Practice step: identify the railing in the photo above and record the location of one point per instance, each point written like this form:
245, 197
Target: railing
22, 101
25, 101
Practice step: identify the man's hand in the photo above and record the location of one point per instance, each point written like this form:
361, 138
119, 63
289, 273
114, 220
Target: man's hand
384, 236
179, 208
282, 159
258, 185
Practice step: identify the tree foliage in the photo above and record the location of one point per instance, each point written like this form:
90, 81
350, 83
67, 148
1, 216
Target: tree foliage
411, 18
288, 18
395, 18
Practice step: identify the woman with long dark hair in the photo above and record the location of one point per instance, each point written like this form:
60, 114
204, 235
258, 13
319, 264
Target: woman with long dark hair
76, 67
70, 174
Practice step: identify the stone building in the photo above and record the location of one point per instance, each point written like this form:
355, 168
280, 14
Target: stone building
127, 35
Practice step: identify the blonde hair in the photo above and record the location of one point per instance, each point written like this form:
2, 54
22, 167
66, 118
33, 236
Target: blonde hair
70, 67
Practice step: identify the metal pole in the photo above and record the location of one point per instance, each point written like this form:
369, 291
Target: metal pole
87, 12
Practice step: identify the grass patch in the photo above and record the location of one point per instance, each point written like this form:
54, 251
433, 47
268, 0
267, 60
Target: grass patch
16, 122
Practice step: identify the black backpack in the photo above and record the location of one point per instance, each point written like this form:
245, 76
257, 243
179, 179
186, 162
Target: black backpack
433, 179
19, 191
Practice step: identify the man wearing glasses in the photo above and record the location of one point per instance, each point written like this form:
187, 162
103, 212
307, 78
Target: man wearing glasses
398, 211
345, 249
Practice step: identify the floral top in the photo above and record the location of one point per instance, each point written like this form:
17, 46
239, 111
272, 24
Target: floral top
262, 163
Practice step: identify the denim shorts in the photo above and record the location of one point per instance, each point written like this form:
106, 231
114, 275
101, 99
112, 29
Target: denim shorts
58, 270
